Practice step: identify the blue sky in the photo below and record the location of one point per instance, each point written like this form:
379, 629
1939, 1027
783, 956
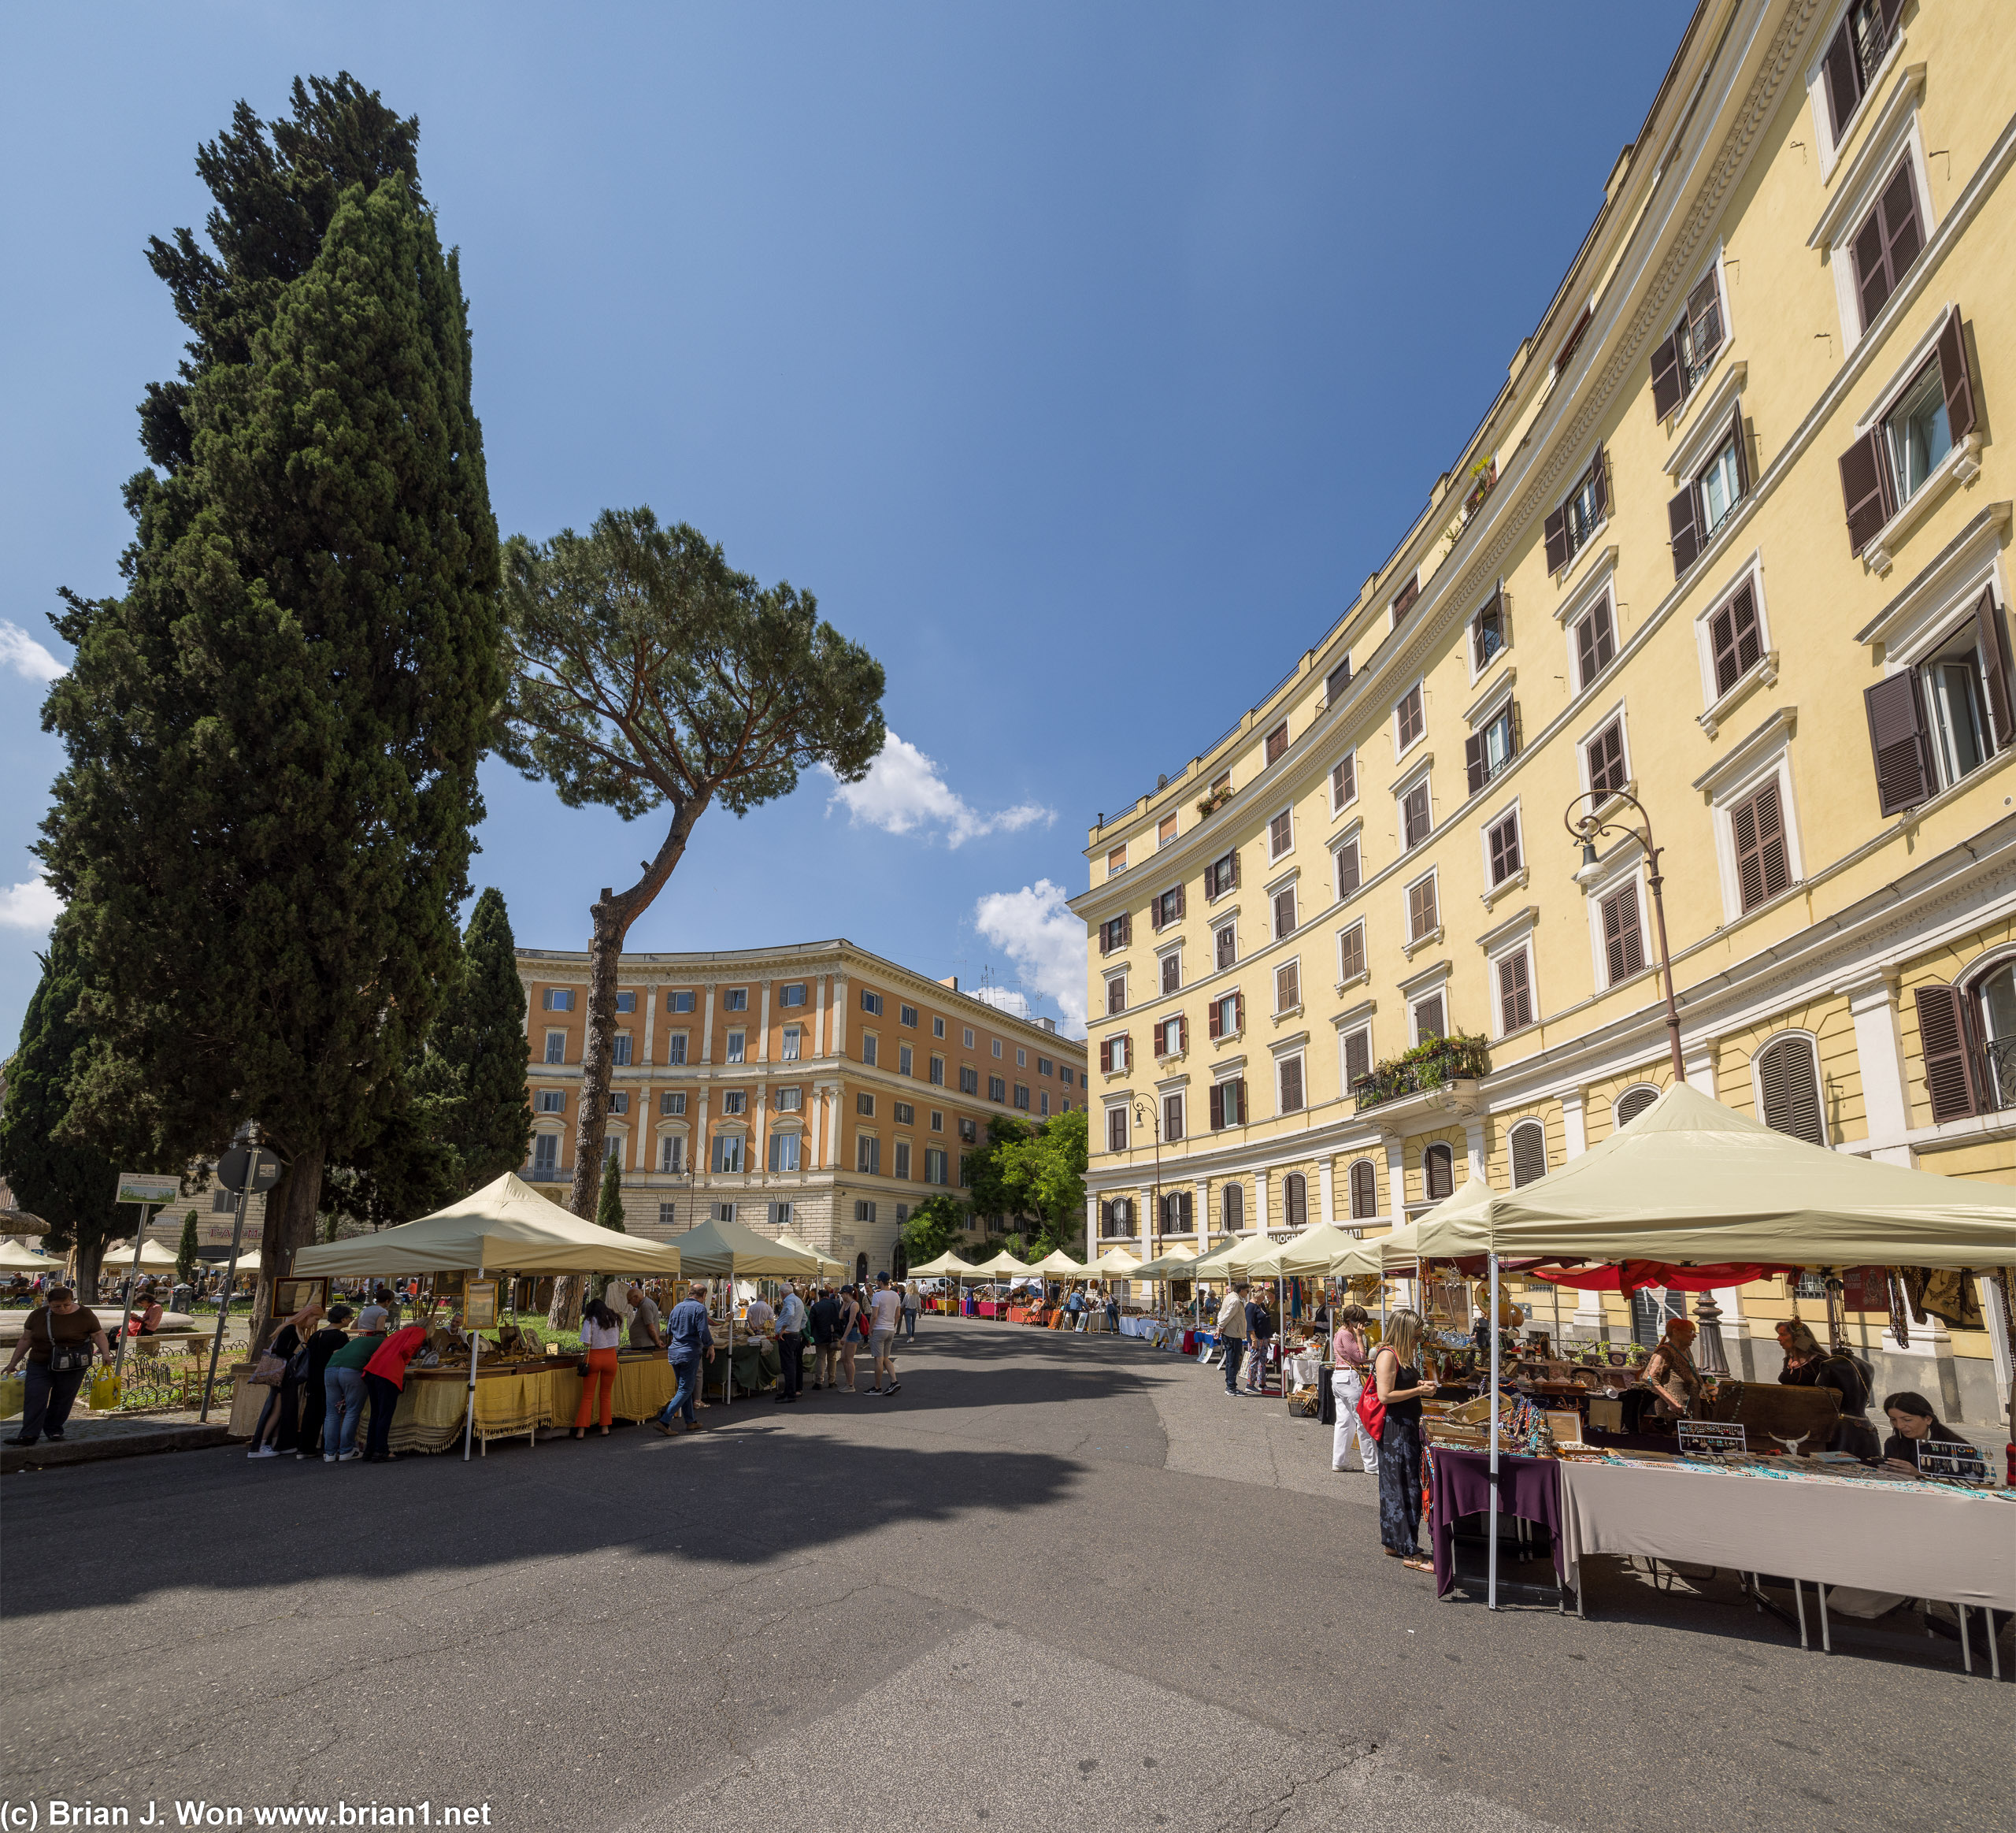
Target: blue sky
1082, 360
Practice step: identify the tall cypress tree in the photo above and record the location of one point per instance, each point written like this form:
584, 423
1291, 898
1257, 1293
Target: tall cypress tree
70, 1185
263, 829
478, 1047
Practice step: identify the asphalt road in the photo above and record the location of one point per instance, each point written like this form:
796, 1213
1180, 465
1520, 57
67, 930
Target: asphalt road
1052, 1583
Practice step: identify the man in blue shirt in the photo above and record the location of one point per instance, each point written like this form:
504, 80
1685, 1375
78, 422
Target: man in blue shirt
689, 1341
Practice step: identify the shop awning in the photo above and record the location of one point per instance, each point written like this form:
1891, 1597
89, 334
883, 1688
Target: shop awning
1177, 1263
1691, 1180
1642, 1275
506, 1226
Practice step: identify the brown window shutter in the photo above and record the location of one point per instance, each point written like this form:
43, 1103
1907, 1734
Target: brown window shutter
1956, 377
1364, 1191
1238, 1012
1528, 1153
1357, 1058
1994, 638
1225, 949
1790, 1080
1903, 238
1684, 517
1404, 603
1889, 10
1155, 913
1292, 1088
1757, 828
1732, 635
1866, 488
1473, 762
1599, 475
1339, 678
1704, 319
1106, 1056
1668, 378
1623, 943
1872, 271
1127, 929
1179, 903
1902, 745
1742, 450
1843, 75
1945, 1042
1235, 1101
1182, 1032
1557, 540
1212, 1011
1106, 930
1217, 1106
1234, 857
1347, 868
1126, 1052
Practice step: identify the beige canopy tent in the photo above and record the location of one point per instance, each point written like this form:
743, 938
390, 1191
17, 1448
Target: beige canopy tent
1056, 1264
14, 1258
828, 1266
1690, 1179
947, 1265
154, 1258
1003, 1266
1114, 1264
1176, 1263
505, 1225
1455, 1228
732, 1250
1309, 1252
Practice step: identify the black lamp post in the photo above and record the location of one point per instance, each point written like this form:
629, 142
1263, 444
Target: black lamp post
1145, 1115
1587, 829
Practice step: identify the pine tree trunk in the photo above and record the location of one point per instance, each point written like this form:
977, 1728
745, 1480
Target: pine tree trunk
291, 1205
90, 1262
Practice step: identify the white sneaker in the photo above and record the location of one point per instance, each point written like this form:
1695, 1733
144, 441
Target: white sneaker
328, 1458
264, 1451
350, 1456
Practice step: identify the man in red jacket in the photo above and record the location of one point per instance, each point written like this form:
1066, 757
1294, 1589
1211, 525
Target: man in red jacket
384, 1377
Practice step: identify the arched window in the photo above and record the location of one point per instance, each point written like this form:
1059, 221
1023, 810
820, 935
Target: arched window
1233, 1208
1364, 1191
1295, 1200
1788, 1087
1528, 1153
1438, 1172
1633, 1102
1995, 996
861, 1269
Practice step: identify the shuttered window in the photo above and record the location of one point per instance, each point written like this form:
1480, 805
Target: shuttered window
1605, 753
1172, 1129
1349, 875
1422, 918
1503, 844
1515, 992
1221, 875
1364, 1191
1901, 741
1888, 244
1596, 641
1438, 1173
1854, 55
1116, 993
1788, 1079
1570, 527
1757, 825
1735, 638
1351, 952
1415, 821
1528, 1153
1116, 1129
1288, 987
1229, 1107
1429, 1020
1408, 720
1679, 364
1339, 678
1488, 633
1343, 780
1624, 941
1228, 947
1277, 742
1291, 1076
1357, 1057
1232, 1208
1633, 1103
1281, 833
1404, 603
1948, 1035
1294, 1186
1283, 913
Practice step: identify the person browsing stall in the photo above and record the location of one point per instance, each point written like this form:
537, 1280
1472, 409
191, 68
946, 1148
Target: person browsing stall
384, 1381
1259, 1333
602, 1341
1349, 1352
646, 1325
1397, 1379
1231, 1332
689, 1345
791, 1321
343, 1385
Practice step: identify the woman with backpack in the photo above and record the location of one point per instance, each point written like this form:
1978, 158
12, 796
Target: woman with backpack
1808, 1365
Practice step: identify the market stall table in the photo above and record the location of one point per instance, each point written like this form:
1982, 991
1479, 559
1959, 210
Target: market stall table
1459, 1485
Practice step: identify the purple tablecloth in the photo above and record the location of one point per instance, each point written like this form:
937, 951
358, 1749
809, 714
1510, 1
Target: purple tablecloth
1459, 1484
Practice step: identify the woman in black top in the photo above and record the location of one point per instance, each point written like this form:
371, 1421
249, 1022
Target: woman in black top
1396, 1375
280, 1419
321, 1345
1808, 1365
1916, 1428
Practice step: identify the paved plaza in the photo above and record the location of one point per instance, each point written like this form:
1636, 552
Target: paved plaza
1052, 1583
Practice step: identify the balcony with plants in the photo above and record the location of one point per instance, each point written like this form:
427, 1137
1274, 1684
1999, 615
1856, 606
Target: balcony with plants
1436, 1064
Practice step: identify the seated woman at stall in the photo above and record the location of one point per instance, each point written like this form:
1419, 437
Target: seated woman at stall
1915, 1427
1808, 1365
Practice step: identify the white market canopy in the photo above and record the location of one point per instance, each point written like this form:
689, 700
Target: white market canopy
1309, 1252
1176, 1263
1056, 1264
1691, 1180
947, 1265
1004, 1266
1114, 1264
723, 1250
154, 1258
827, 1264
506, 1226
1456, 1227
14, 1258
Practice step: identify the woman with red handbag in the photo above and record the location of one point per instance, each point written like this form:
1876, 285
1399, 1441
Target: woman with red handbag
1391, 1412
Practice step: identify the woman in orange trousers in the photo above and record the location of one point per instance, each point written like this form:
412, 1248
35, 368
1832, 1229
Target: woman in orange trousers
600, 1336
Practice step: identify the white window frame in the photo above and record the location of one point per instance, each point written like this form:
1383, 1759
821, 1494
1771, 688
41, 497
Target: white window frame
1121, 1108
1895, 134
549, 1057
1351, 1024
1716, 706
1514, 880
1300, 1057
969, 1031
1615, 710
1343, 980
1288, 881
791, 1043
1627, 866
734, 1046
1524, 945
1420, 686
1120, 1048
1272, 855
1816, 89
1225, 922
1329, 782
1762, 758
1353, 836
1439, 990
1503, 599
1169, 951
791, 1101
1569, 613
1413, 944
730, 995
1589, 542
1421, 777
1301, 992
1112, 981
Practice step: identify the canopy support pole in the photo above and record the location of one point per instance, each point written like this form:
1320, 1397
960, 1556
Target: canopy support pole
475, 1349
1491, 1584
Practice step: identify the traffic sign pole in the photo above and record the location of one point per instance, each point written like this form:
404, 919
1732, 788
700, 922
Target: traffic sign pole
139, 1243
246, 1171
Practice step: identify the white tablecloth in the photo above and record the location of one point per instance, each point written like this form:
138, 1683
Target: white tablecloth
1920, 1543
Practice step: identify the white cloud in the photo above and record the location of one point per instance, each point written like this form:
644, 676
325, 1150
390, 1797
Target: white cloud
26, 657
32, 906
1046, 942
903, 793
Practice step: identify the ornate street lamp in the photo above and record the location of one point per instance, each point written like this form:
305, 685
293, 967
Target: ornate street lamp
1587, 829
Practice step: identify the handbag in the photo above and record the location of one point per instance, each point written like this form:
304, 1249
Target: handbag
1372, 1412
269, 1370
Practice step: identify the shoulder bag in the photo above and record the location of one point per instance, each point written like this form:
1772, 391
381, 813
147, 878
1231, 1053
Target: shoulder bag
64, 1358
1371, 1409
